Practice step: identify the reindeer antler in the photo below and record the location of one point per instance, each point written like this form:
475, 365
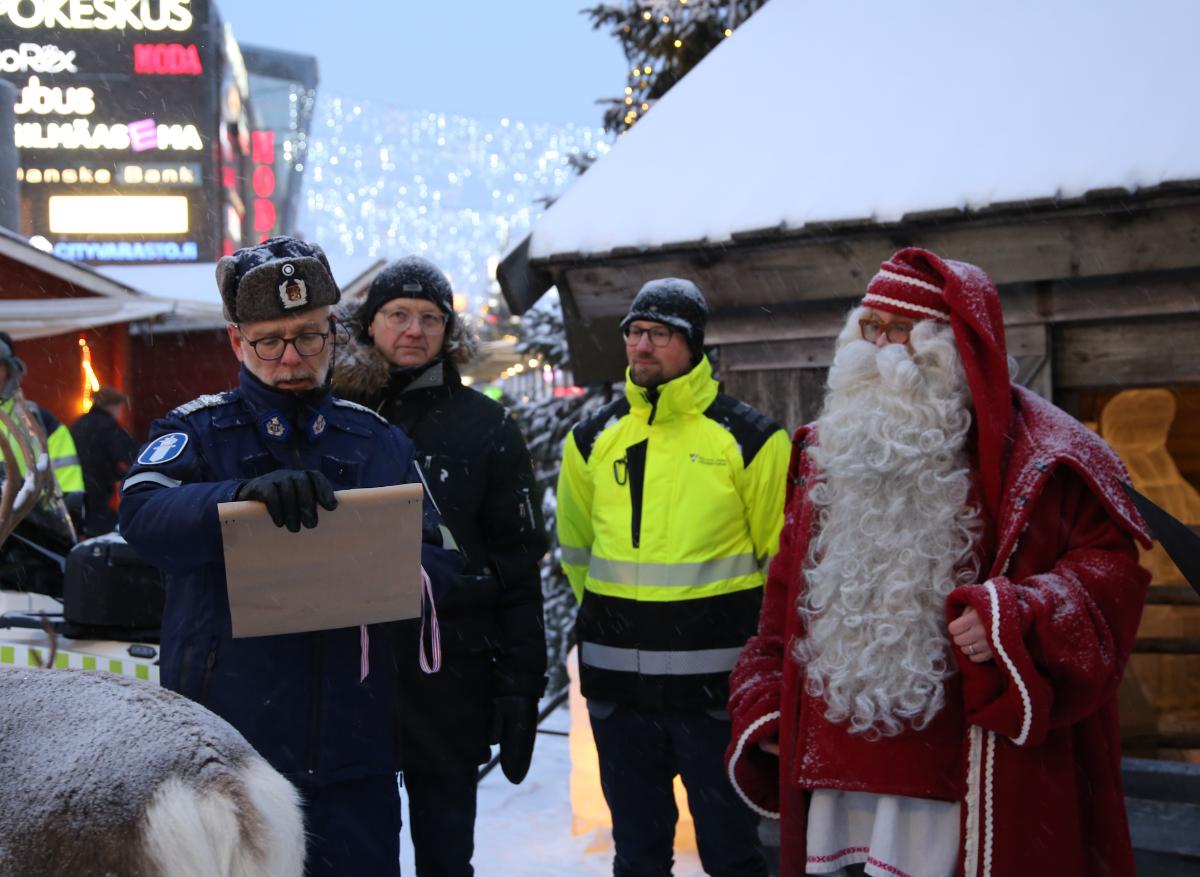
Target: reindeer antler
8, 494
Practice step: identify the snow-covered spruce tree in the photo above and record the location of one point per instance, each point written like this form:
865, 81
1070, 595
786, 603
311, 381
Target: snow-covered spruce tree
545, 425
662, 40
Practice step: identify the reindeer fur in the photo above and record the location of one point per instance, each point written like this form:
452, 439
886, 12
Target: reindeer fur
103, 775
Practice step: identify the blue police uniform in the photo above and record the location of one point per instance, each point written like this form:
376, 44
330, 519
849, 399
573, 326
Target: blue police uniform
297, 698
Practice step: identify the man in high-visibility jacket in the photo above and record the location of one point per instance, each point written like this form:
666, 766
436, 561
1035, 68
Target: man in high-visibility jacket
670, 503
60, 447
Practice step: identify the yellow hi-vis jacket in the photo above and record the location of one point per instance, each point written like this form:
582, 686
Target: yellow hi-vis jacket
60, 447
670, 505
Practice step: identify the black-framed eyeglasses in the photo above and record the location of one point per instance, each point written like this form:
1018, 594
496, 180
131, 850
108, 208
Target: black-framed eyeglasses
273, 347
431, 323
660, 336
897, 332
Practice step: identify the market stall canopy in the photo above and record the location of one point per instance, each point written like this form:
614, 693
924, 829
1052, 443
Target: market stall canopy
88, 298
25, 319
815, 115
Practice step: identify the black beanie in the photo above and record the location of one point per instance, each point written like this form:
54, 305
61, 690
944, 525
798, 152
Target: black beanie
675, 302
410, 277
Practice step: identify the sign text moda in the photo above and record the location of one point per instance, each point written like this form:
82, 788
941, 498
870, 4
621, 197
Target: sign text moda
167, 59
150, 15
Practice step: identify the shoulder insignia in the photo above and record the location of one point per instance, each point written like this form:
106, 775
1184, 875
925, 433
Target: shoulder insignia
163, 449
346, 403
209, 400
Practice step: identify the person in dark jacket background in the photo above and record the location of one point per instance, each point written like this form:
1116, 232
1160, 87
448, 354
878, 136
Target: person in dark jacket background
321, 707
403, 363
105, 453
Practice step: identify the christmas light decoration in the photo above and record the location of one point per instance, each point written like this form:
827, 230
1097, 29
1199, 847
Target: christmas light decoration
665, 39
90, 382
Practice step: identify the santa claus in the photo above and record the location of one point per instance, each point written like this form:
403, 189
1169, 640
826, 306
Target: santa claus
932, 690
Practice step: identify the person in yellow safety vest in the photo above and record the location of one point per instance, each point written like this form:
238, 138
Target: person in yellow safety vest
60, 447
670, 504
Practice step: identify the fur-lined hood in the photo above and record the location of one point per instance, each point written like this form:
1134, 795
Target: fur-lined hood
360, 371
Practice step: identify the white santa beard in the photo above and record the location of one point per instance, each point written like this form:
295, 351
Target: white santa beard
895, 533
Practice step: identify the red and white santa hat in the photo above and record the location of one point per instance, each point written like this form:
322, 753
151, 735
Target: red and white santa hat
919, 284
906, 286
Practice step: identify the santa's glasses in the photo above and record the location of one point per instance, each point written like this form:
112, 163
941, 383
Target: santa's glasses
897, 332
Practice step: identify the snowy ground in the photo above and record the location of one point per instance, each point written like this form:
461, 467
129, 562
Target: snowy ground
526, 830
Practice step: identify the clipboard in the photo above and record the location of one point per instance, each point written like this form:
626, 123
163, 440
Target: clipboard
361, 564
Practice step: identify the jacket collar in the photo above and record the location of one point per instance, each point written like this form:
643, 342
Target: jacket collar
431, 376
691, 393
280, 413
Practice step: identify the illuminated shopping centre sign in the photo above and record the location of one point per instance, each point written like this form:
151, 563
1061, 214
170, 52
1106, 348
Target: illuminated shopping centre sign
116, 121
101, 15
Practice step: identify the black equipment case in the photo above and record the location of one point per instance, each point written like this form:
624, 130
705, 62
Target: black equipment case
111, 593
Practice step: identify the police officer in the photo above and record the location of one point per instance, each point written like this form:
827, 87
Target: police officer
281, 438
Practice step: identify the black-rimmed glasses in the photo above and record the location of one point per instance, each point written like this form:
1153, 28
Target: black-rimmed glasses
660, 336
273, 347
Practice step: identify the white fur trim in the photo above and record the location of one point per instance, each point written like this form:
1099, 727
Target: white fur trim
989, 778
971, 822
1026, 703
346, 403
896, 303
737, 753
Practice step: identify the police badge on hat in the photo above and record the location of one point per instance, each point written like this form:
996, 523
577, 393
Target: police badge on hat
292, 292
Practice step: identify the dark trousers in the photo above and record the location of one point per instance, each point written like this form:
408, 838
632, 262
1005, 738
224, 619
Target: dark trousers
441, 821
353, 828
640, 754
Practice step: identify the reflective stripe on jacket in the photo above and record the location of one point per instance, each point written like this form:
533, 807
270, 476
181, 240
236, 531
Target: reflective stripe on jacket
669, 507
60, 448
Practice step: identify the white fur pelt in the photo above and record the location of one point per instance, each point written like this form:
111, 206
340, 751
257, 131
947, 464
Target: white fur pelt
105, 775
895, 533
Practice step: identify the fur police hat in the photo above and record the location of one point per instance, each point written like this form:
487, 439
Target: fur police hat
279, 277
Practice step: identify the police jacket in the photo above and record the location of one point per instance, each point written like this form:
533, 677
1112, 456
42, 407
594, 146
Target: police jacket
481, 477
670, 503
297, 698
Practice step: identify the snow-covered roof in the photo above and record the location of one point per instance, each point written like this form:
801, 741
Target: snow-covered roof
818, 112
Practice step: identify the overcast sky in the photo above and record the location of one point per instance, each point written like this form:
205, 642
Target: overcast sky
535, 60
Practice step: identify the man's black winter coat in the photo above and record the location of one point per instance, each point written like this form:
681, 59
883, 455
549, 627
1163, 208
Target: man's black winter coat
105, 454
480, 475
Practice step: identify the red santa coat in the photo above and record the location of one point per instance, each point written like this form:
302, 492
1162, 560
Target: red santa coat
1033, 736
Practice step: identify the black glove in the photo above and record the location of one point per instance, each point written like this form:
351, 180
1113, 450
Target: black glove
514, 727
291, 496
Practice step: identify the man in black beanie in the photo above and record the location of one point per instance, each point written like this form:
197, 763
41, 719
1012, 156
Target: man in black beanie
321, 707
405, 365
670, 503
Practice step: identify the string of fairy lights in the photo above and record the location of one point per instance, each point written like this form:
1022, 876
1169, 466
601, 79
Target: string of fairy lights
459, 190
674, 23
